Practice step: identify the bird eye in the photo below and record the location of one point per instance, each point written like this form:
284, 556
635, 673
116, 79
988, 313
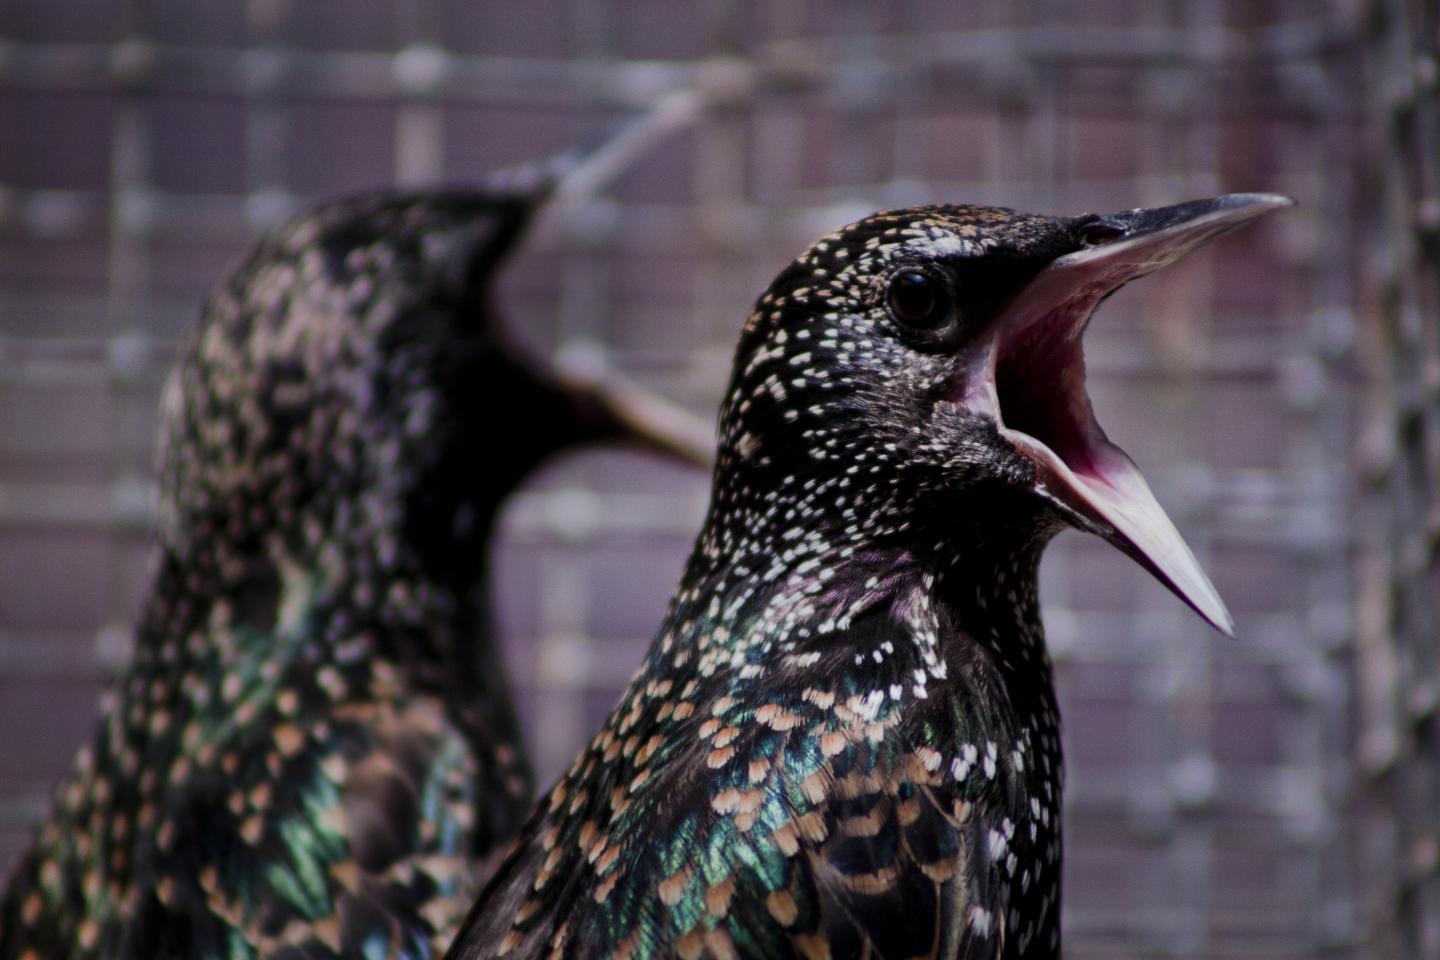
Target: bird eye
918, 299
1100, 231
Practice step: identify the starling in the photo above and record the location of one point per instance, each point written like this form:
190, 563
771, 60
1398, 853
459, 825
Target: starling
315, 744
844, 741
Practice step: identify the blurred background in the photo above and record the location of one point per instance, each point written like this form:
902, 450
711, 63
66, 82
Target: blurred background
1275, 796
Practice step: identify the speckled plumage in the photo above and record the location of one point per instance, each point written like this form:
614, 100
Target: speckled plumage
844, 741
315, 746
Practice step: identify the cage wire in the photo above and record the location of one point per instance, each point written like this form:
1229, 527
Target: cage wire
1270, 797
1398, 633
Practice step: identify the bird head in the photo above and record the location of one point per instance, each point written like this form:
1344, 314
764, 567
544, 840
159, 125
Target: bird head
352, 379
914, 362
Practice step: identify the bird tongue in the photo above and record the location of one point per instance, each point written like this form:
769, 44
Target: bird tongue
1033, 382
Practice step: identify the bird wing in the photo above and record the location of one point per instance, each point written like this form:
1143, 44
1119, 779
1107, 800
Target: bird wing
803, 827
285, 831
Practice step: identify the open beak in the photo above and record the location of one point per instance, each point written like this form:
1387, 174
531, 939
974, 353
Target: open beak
613, 409
1032, 380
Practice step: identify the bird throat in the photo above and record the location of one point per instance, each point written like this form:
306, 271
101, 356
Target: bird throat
812, 602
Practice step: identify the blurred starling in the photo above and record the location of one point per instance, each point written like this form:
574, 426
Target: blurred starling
844, 741
315, 744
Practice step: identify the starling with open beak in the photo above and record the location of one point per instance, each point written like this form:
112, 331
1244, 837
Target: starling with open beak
844, 741
315, 747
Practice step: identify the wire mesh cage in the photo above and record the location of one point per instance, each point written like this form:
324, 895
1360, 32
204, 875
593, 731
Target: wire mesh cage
1271, 797
1397, 660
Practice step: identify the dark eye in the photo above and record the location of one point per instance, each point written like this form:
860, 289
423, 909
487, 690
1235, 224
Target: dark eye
918, 299
1100, 231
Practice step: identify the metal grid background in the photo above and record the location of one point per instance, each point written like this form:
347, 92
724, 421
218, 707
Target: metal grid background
1398, 589
1249, 799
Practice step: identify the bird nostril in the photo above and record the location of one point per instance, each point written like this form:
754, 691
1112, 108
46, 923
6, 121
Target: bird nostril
1100, 231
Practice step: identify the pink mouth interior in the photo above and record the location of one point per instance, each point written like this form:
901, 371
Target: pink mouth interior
1040, 384
1031, 378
